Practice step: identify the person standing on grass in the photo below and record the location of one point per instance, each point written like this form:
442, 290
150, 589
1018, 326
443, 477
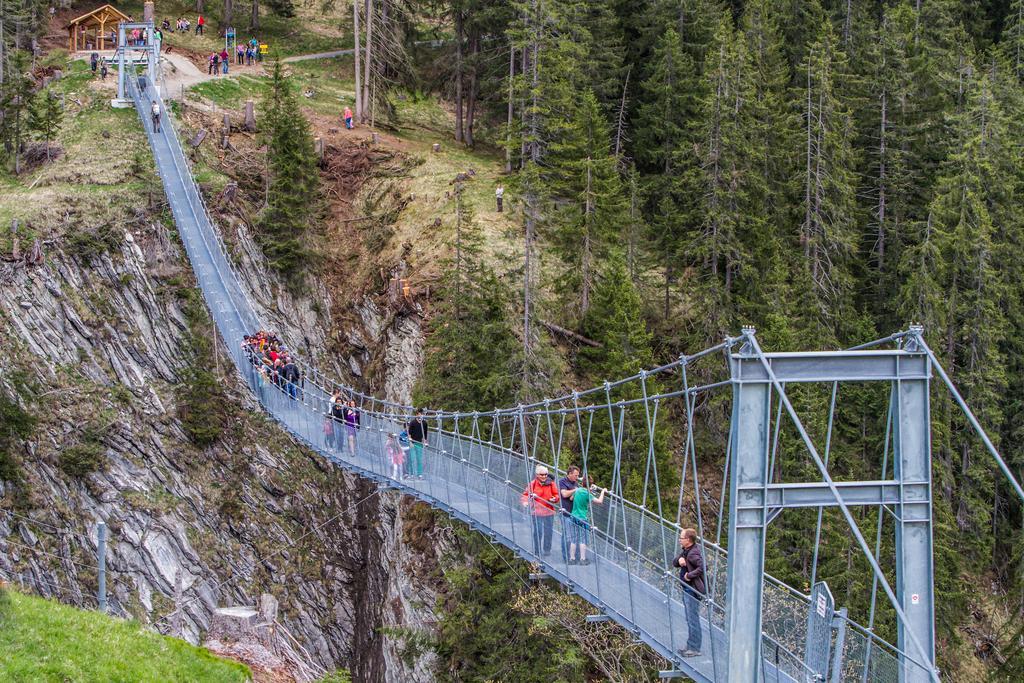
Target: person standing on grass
418, 431
200, 23
499, 197
347, 115
690, 563
582, 498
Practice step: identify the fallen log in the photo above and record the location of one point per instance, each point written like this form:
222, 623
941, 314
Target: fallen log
558, 329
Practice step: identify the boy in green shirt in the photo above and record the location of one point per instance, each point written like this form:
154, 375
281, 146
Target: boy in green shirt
582, 496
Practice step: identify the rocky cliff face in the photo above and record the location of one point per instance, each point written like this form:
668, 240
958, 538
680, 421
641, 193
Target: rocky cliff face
98, 338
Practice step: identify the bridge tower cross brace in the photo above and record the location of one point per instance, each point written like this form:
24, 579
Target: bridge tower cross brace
757, 378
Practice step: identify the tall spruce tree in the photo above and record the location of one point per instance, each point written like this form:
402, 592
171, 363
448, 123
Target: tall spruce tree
592, 209
293, 195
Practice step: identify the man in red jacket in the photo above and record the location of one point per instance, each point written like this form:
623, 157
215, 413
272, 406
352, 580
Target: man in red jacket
200, 23
541, 495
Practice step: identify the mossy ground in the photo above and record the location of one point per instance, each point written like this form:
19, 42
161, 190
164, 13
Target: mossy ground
42, 640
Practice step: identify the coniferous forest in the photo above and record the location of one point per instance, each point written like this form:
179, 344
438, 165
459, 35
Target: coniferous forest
827, 172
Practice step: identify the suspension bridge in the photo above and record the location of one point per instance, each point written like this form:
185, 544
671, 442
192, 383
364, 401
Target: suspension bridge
754, 627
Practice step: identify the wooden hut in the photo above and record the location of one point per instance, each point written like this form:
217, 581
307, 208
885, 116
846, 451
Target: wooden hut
91, 31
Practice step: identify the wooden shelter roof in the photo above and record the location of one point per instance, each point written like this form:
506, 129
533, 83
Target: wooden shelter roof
104, 14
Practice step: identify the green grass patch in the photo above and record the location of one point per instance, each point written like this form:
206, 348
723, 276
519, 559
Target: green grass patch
42, 640
311, 30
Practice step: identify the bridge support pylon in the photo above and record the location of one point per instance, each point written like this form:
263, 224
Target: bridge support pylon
756, 500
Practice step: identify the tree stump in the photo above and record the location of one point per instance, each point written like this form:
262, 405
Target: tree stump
198, 138
232, 624
375, 138
437, 147
318, 149
250, 116
225, 131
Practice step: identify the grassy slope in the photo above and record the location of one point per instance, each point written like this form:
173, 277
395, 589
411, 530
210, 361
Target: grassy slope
46, 641
313, 29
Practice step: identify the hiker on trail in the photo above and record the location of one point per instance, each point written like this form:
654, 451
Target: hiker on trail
209, 68
200, 23
541, 496
396, 456
352, 419
347, 115
499, 196
240, 54
93, 61
156, 116
248, 55
690, 563
224, 60
582, 497
566, 488
103, 70
418, 430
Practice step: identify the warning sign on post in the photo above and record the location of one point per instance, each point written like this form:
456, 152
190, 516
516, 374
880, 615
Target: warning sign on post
915, 598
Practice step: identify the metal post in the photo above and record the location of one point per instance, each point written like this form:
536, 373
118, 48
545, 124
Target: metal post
837, 653
101, 564
915, 571
744, 580
121, 75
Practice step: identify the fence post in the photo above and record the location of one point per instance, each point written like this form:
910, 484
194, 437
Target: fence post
101, 561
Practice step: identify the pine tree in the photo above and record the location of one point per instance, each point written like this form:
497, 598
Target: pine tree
616, 322
586, 182
472, 354
293, 197
16, 103
827, 233
46, 117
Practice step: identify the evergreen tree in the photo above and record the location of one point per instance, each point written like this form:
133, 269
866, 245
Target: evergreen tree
615, 321
293, 197
827, 233
16, 103
46, 117
586, 182
472, 353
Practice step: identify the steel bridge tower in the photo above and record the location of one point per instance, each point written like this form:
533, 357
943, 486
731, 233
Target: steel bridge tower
759, 379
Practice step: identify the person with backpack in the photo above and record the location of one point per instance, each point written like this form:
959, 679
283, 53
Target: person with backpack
690, 563
395, 455
540, 497
403, 443
418, 430
582, 497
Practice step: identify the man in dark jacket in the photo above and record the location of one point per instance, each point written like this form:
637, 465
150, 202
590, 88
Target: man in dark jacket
690, 563
418, 430
290, 373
